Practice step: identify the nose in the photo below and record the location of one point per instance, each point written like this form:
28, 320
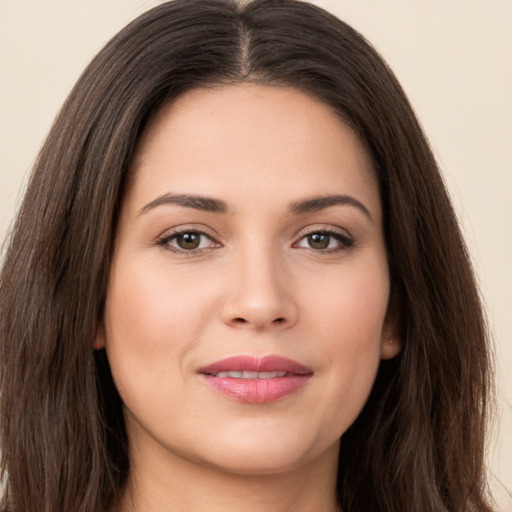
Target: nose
260, 296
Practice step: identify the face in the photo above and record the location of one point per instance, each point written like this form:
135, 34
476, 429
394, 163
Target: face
246, 309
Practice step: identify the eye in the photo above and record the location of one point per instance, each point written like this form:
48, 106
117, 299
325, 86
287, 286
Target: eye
187, 241
326, 241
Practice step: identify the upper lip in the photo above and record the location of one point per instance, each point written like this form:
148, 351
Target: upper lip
270, 363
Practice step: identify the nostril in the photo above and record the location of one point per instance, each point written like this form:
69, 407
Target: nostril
278, 320
240, 320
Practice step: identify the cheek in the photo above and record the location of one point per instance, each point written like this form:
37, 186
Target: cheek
348, 320
155, 303
349, 307
151, 323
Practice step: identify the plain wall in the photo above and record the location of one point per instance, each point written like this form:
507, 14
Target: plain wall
453, 58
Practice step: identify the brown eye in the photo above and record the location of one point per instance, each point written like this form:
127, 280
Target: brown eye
319, 240
188, 241
325, 241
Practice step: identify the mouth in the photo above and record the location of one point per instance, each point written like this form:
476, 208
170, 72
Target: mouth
255, 380
243, 374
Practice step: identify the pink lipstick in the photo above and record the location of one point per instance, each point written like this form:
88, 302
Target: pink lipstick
253, 380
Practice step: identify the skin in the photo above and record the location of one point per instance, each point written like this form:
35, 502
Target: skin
256, 285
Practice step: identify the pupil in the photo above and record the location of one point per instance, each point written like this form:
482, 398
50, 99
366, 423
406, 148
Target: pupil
189, 240
318, 241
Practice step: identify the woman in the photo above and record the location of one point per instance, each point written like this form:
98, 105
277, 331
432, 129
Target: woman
236, 280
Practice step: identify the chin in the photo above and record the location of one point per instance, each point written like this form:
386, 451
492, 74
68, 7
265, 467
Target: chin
265, 455
252, 464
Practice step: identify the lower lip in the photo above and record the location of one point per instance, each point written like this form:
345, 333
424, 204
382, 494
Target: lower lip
256, 391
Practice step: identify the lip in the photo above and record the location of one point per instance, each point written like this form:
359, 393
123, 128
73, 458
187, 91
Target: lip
256, 390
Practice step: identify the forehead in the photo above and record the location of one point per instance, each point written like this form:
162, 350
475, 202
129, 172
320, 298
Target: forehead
252, 139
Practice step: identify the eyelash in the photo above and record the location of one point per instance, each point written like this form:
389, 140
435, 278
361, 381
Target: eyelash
166, 240
344, 241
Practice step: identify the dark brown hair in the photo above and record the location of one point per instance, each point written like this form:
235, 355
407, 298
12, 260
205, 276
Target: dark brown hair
419, 442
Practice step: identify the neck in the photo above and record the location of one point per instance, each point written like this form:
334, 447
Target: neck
175, 483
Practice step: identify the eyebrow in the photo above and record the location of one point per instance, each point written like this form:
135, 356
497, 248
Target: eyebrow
206, 204
319, 203
212, 205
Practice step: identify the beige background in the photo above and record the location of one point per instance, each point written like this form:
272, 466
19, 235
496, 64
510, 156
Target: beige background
453, 57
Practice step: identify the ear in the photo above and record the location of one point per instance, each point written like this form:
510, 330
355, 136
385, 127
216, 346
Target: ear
99, 341
391, 342
390, 348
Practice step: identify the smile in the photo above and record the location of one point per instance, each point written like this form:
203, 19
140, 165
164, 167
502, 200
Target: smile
252, 375
253, 380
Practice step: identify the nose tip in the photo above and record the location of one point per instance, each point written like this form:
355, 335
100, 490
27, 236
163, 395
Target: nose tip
260, 301
281, 321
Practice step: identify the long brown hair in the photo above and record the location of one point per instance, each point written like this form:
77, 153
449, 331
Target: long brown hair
419, 442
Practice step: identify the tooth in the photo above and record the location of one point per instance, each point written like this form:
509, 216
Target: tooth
244, 374
231, 374
271, 375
